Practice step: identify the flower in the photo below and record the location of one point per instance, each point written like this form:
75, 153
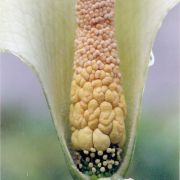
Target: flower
98, 107
42, 34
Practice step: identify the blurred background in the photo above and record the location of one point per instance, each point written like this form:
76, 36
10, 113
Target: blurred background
29, 145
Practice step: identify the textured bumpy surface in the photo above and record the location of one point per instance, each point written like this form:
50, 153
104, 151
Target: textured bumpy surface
98, 106
99, 163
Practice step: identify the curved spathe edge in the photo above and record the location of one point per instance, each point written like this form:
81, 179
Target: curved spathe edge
74, 172
132, 139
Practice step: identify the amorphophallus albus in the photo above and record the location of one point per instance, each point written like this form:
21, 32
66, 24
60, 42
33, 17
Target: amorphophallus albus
42, 34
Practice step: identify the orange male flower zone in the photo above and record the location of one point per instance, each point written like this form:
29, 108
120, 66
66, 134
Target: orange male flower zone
98, 107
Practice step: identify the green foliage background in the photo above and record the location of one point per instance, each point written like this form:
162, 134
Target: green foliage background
30, 149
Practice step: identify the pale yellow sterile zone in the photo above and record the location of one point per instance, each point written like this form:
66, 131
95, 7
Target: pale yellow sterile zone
98, 105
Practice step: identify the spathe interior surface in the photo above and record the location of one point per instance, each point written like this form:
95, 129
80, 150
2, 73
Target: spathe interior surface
41, 34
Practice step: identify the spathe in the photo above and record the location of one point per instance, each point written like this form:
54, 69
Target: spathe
41, 34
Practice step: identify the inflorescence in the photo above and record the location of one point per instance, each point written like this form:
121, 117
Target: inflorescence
98, 107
